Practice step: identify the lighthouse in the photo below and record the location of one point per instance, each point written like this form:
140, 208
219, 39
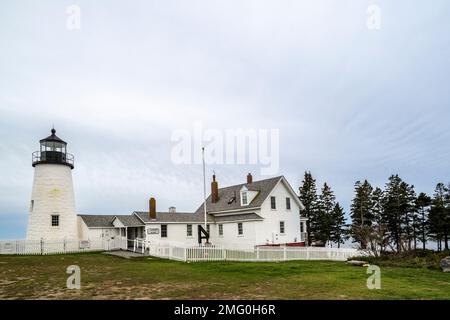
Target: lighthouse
52, 212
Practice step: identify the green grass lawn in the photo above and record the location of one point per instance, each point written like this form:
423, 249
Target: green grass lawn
109, 277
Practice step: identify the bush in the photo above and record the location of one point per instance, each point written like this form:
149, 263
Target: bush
414, 259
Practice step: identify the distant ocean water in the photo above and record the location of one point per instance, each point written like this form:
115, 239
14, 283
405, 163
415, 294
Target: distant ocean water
13, 226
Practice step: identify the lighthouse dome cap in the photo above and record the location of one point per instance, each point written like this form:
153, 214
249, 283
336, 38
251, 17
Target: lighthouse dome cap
53, 137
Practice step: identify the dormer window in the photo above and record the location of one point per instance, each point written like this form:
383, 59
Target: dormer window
247, 196
244, 198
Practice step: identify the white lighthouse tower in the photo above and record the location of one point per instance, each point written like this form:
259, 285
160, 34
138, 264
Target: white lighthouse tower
52, 208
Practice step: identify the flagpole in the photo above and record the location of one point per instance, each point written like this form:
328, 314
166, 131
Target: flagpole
204, 185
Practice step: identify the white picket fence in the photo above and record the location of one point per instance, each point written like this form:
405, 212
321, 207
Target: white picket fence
221, 253
42, 247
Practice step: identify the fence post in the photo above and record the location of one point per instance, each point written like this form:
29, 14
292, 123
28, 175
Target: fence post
257, 253
64, 245
284, 254
42, 246
185, 254
307, 253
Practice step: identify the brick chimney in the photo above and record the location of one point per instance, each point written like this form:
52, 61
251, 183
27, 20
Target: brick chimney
249, 178
214, 190
152, 208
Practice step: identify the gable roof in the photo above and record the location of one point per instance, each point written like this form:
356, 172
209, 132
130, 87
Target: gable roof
129, 221
264, 188
97, 220
106, 221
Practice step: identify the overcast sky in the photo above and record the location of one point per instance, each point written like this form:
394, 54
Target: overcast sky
349, 102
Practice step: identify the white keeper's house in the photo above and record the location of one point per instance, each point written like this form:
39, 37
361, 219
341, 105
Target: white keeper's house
253, 213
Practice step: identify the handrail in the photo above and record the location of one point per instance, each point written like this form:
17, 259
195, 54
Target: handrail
52, 157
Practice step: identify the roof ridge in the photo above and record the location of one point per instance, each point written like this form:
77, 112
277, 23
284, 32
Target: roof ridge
243, 184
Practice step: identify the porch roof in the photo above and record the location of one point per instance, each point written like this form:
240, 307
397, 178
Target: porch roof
106, 220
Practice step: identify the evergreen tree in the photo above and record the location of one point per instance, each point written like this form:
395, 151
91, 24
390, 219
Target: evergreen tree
377, 213
327, 202
338, 226
361, 212
447, 216
439, 216
408, 213
422, 206
399, 210
392, 210
380, 234
308, 196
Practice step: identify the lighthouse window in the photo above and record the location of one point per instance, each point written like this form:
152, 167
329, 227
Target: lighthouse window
32, 206
55, 220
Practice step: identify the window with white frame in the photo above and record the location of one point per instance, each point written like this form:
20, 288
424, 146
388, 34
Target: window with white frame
240, 229
189, 230
220, 229
282, 228
273, 203
164, 231
288, 203
302, 227
244, 198
208, 228
55, 220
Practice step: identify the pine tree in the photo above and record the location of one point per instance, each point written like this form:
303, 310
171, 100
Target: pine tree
447, 216
392, 210
361, 213
422, 206
380, 234
338, 226
377, 213
308, 196
327, 202
439, 216
408, 213
399, 210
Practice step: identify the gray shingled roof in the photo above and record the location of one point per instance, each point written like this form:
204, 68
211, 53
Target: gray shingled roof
225, 194
97, 220
196, 217
105, 221
238, 217
130, 221
174, 217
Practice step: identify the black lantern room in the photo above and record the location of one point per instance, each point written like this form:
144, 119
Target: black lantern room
53, 150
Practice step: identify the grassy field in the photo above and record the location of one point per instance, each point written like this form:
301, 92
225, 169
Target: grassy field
109, 277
